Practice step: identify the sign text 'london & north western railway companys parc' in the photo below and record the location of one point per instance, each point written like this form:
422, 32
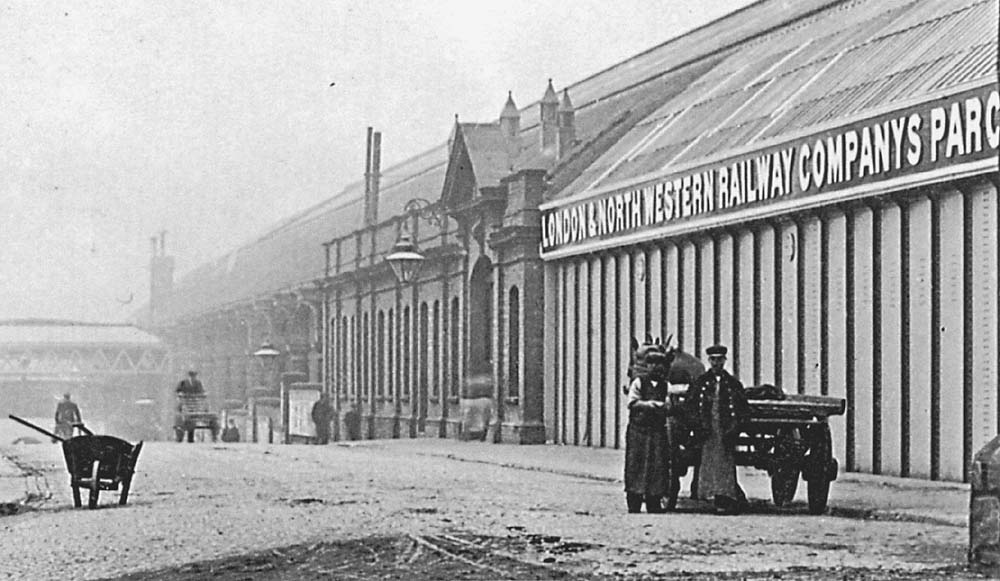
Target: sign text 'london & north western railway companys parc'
955, 130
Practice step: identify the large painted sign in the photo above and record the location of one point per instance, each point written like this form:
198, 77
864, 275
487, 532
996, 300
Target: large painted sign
950, 131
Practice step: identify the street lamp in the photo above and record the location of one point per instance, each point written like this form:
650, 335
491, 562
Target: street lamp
267, 355
266, 352
406, 259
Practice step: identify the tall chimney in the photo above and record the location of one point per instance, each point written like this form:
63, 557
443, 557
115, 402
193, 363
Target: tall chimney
161, 277
510, 118
373, 164
567, 125
549, 107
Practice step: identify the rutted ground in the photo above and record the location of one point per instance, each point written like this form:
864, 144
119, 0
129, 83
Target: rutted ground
193, 503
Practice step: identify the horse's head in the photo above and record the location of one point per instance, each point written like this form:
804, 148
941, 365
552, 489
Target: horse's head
643, 357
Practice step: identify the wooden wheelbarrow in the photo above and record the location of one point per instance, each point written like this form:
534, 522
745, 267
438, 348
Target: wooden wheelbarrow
96, 463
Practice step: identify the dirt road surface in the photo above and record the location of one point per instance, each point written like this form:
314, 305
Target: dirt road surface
392, 510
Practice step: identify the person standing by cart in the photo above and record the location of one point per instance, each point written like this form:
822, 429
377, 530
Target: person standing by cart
67, 416
648, 477
191, 385
718, 406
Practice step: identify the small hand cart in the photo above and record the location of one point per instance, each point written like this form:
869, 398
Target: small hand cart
96, 463
193, 414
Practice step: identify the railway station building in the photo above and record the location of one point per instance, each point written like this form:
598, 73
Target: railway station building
814, 186
116, 373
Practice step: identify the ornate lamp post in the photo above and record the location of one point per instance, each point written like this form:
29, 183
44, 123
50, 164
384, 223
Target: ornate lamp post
267, 355
406, 258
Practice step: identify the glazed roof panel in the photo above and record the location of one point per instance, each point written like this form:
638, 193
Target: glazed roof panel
840, 63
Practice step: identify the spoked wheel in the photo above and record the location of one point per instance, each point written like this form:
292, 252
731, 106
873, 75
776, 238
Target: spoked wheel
785, 476
822, 463
819, 492
95, 485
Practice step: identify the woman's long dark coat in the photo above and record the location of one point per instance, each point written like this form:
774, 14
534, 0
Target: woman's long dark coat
647, 454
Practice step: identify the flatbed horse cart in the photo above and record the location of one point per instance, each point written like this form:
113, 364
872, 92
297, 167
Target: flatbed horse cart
193, 413
96, 462
789, 435
786, 435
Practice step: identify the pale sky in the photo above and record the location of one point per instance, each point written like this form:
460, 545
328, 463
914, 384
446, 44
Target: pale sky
215, 120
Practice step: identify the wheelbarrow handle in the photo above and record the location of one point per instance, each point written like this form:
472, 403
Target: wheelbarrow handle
83, 428
42, 430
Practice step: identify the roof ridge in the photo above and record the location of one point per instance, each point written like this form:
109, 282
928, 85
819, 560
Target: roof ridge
42, 322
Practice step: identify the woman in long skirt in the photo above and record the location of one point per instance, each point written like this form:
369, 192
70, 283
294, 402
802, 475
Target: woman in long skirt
647, 455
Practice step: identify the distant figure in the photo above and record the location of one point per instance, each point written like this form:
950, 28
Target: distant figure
191, 385
67, 416
231, 433
321, 415
352, 422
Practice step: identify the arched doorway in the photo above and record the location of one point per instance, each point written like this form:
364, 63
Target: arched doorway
480, 329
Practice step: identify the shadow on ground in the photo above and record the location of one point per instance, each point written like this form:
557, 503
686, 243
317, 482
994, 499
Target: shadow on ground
456, 556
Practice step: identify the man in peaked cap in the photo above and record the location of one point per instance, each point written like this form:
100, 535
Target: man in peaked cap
717, 405
191, 384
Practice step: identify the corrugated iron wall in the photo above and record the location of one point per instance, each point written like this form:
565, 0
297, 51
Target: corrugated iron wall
891, 303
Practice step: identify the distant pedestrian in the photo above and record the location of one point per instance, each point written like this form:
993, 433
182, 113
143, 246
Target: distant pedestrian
67, 416
648, 477
231, 433
322, 413
191, 385
352, 422
717, 405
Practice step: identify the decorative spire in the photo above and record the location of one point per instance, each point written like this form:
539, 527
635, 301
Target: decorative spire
510, 108
510, 118
548, 109
550, 94
566, 104
567, 126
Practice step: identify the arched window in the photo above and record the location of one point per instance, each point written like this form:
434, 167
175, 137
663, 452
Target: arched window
405, 387
365, 352
391, 348
480, 331
423, 349
342, 361
380, 356
354, 358
454, 337
514, 339
435, 366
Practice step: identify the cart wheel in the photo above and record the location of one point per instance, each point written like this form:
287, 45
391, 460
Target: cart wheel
95, 485
76, 496
819, 492
784, 483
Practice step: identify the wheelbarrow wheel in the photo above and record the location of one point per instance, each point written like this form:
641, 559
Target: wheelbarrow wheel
95, 485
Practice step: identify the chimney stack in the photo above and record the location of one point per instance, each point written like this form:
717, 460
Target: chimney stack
373, 173
567, 126
161, 276
510, 118
549, 110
